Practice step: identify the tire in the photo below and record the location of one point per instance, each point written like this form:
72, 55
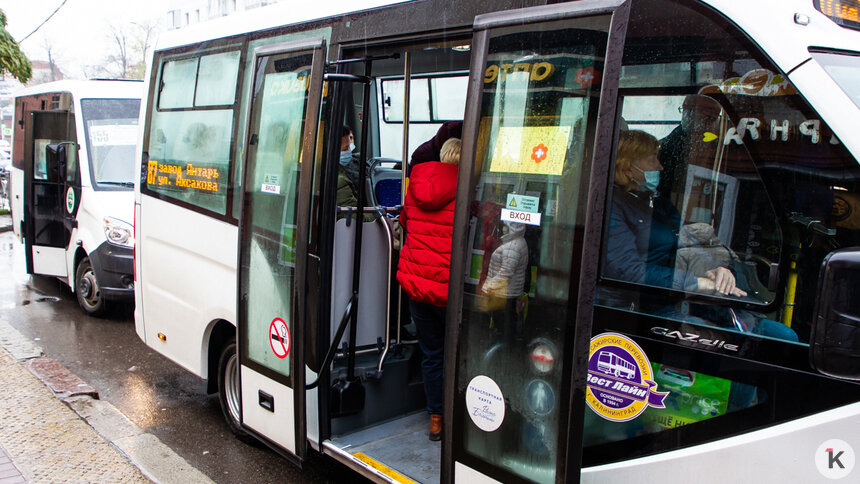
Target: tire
87, 289
229, 391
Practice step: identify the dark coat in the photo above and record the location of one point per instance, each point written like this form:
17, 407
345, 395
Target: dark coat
643, 240
429, 150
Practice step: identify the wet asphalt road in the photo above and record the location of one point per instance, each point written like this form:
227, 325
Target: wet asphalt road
157, 395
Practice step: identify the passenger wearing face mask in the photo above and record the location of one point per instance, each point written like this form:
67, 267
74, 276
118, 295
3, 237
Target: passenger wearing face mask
346, 187
348, 161
643, 226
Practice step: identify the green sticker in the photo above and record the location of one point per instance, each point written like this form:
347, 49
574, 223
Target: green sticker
522, 203
70, 200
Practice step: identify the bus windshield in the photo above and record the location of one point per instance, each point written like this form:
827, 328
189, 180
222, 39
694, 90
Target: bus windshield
111, 135
844, 69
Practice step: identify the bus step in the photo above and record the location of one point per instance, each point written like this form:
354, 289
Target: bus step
347, 397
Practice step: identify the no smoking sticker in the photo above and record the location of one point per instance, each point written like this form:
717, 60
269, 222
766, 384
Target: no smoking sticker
279, 338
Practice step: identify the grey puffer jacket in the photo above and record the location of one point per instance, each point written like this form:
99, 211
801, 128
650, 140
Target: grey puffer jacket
700, 250
506, 273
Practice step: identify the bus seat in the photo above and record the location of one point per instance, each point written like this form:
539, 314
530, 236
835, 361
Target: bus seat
374, 282
387, 192
385, 181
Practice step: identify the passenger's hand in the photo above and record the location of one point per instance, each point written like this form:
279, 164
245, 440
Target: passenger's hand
724, 282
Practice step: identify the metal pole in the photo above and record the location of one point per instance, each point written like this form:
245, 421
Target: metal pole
404, 166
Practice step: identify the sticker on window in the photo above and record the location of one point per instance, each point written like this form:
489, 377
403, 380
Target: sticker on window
538, 150
620, 381
485, 403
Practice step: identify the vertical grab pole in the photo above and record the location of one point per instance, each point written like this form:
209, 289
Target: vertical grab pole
404, 166
356, 261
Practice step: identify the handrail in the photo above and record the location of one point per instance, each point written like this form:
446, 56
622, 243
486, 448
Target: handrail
332, 349
387, 292
371, 209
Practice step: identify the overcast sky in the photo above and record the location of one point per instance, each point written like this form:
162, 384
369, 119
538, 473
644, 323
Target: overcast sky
79, 32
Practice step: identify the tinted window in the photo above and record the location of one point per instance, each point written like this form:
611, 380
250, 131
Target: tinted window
722, 170
191, 130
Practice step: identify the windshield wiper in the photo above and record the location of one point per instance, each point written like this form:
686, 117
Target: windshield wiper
120, 183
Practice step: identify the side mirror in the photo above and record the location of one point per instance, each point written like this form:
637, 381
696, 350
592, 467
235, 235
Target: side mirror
834, 346
55, 154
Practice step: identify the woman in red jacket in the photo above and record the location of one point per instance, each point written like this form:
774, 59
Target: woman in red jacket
425, 261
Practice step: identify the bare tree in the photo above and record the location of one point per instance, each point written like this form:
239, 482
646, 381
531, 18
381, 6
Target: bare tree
119, 60
142, 43
128, 60
53, 70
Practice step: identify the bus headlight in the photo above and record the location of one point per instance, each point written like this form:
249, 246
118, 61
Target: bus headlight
118, 232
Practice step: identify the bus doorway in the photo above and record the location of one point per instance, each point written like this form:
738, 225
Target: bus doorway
51, 191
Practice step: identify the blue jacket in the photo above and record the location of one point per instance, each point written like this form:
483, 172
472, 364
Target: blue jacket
643, 240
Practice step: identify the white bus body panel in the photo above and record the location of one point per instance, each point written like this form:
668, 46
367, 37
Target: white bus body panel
16, 200
782, 453
259, 19
49, 261
465, 474
787, 43
277, 425
90, 232
186, 278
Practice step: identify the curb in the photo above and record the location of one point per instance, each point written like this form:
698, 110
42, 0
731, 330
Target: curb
152, 458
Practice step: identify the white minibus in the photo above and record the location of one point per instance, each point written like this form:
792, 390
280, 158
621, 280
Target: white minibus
72, 182
665, 195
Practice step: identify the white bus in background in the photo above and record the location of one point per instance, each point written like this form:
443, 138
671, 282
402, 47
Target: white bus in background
72, 185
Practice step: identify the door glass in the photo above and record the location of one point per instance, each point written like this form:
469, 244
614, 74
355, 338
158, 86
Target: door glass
537, 116
752, 189
268, 238
40, 158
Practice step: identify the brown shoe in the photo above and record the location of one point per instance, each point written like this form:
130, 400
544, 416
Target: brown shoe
435, 427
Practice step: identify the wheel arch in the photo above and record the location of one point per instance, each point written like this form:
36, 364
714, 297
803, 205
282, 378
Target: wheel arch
80, 254
222, 332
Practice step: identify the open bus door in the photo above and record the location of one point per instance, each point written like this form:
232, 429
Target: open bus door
51, 191
535, 165
273, 242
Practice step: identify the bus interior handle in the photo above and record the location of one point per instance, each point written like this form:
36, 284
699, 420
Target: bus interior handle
332, 349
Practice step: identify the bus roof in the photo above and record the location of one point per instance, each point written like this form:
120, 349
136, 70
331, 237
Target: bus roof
784, 36
272, 16
101, 88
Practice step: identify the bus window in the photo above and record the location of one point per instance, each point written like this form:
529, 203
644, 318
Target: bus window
746, 181
656, 115
111, 129
419, 100
191, 131
434, 98
538, 109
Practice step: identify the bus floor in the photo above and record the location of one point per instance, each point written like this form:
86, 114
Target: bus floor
401, 444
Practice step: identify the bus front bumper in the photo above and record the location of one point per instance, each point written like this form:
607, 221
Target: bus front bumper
114, 268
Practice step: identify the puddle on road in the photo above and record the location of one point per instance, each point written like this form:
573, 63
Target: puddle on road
48, 299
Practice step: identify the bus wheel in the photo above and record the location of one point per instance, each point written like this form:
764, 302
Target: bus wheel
87, 289
228, 390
